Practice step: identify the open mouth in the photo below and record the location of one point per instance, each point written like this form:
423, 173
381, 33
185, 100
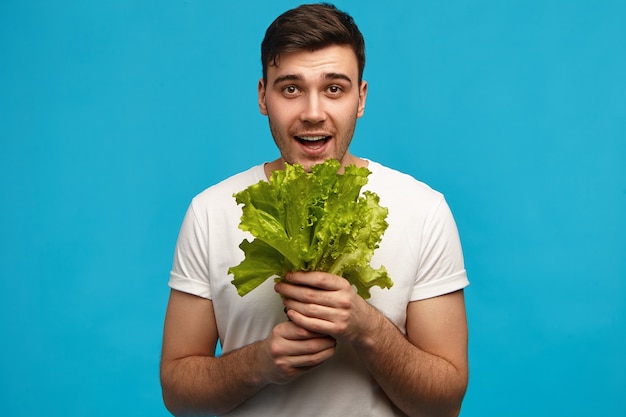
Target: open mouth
313, 142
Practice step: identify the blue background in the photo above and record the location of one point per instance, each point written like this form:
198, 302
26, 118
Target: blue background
114, 114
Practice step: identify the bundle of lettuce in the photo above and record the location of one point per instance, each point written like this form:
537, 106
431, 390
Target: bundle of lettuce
317, 221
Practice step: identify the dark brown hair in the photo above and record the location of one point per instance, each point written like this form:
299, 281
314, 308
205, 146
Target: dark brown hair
311, 27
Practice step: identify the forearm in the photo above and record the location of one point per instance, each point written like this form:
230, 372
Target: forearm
417, 382
423, 373
202, 385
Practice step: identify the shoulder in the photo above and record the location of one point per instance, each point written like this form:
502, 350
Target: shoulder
224, 190
395, 185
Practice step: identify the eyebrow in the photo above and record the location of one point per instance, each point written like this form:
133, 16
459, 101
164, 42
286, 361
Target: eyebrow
337, 76
288, 77
299, 77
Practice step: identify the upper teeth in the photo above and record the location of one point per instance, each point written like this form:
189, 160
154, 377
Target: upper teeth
311, 138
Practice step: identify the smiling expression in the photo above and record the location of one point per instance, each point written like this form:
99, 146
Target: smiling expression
312, 100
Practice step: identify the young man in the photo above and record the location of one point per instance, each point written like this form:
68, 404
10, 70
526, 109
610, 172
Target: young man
403, 352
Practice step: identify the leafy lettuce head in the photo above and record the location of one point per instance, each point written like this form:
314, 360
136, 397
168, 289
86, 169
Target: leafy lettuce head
317, 221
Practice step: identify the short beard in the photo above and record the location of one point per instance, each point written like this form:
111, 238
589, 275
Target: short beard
339, 153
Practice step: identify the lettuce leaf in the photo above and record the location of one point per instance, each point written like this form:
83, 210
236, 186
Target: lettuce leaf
317, 221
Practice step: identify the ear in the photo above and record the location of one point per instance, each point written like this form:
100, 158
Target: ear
261, 93
362, 98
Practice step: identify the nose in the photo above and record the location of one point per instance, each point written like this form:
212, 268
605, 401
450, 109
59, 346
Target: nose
313, 110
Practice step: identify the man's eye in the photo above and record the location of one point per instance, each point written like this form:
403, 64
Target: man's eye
334, 89
290, 89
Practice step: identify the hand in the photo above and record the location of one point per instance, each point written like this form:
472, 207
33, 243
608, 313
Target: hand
290, 351
327, 304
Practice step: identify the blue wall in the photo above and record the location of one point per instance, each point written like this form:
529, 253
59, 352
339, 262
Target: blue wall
114, 114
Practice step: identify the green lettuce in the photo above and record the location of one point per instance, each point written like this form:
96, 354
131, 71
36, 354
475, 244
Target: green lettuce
317, 221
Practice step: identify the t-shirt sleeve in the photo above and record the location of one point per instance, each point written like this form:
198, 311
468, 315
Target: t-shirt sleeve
441, 269
190, 269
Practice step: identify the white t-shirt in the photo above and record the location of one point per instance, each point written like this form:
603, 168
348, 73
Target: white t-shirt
420, 249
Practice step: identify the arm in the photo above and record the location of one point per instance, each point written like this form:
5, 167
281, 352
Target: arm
426, 372
194, 381
423, 373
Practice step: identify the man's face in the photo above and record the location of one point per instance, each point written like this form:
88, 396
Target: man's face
312, 100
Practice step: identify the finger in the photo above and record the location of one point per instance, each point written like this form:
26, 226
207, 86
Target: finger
306, 347
314, 310
291, 331
307, 294
293, 358
314, 359
313, 324
285, 347
303, 363
316, 279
